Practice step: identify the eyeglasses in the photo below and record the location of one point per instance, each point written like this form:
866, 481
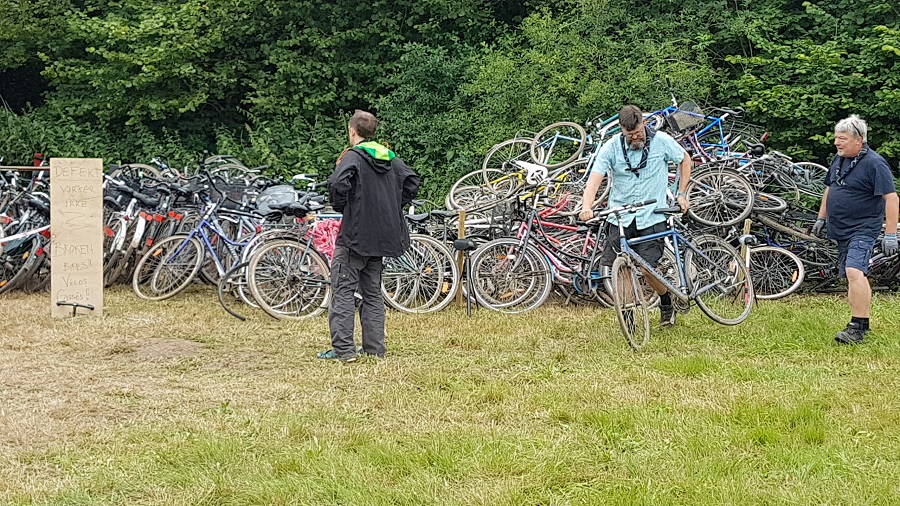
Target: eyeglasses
634, 133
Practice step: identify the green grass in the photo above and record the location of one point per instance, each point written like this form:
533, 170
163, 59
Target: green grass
176, 403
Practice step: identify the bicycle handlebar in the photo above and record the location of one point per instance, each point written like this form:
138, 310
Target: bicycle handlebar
630, 208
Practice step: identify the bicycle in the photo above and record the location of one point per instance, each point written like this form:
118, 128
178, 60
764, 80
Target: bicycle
716, 278
775, 271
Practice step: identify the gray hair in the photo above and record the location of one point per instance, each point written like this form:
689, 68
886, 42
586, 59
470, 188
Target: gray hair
853, 125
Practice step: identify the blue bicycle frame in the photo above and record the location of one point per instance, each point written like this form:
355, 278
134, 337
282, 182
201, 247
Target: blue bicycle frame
200, 230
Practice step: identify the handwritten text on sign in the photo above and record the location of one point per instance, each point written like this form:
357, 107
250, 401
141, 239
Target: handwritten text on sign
76, 226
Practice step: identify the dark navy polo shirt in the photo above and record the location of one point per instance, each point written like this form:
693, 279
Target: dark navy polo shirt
856, 204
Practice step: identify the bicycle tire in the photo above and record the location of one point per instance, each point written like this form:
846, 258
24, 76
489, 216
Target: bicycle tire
510, 280
572, 154
146, 280
768, 265
719, 197
423, 279
650, 295
727, 296
39, 280
233, 287
810, 178
500, 157
111, 258
118, 268
289, 280
585, 283
12, 262
768, 203
29, 259
136, 170
628, 300
668, 267
470, 194
222, 159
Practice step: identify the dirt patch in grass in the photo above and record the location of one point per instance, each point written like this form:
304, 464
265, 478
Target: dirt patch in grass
161, 349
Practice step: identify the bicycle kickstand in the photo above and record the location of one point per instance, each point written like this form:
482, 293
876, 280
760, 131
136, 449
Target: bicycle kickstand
75, 306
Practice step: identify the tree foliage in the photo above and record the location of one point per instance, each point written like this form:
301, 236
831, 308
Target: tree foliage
818, 64
274, 81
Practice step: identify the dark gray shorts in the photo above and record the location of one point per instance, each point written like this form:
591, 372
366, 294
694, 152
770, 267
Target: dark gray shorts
855, 253
651, 251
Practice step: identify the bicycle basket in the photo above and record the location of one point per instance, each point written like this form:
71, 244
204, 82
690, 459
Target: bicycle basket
686, 117
236, 192
278, 194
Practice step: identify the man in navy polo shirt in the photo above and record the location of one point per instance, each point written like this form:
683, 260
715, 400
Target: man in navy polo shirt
859, 197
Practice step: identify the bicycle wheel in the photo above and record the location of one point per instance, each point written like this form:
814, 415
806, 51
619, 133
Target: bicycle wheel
124, 256
167, 268
470, 193
668, 267
719, 197
230, 284
558, 144
766, 202
135, 171
809, 178
422, 280
508, 278
499, 159
720, 282
651, 298
111, 256
628, 301
19, 264
289, 280
776, 272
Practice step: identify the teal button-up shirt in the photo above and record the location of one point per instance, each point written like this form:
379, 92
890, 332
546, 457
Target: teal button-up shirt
650, 183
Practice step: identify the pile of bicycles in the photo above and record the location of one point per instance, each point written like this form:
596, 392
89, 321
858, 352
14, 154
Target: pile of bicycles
268, 243
759, 201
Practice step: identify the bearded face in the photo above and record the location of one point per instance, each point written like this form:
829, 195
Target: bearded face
636, 139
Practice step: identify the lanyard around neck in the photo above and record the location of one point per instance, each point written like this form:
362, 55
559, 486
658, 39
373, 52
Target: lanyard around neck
645, 153
841, 174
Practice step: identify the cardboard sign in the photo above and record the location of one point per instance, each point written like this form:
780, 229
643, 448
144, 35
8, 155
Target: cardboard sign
76, 240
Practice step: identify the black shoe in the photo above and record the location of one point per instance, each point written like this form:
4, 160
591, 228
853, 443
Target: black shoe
666, 316
853, 334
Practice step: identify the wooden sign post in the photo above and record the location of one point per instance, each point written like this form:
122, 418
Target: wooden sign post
76, 240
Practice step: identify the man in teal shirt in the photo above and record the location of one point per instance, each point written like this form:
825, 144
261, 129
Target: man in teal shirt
637, 161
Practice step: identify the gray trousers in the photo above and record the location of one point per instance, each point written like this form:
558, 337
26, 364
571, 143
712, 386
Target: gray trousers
351, 273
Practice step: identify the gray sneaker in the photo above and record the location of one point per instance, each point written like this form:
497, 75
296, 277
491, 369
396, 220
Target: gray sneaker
666, 316
853, 334
333, 356
363, 353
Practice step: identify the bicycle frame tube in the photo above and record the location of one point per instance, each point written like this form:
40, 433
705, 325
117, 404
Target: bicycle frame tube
201, 227
625, 247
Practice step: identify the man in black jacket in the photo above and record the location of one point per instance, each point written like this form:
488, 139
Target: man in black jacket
370, 187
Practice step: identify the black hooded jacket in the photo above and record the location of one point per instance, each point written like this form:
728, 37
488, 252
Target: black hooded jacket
371, 186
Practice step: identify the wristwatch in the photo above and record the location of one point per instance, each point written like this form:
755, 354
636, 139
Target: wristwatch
680, 194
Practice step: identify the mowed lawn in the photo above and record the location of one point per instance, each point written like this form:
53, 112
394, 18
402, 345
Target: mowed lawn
177, 403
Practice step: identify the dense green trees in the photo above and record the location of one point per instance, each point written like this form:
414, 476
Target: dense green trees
272, 81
